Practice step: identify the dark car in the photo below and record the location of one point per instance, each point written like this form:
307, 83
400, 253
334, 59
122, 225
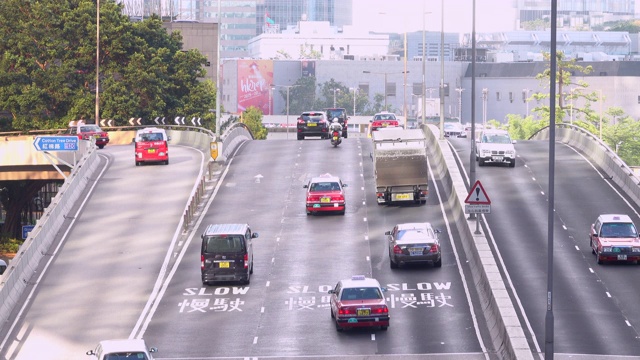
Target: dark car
87, 131
341, 114
414, 243
227, 253
313, 123
359, 302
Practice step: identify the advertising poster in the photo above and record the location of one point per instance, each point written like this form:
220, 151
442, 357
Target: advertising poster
254, 80
308, 68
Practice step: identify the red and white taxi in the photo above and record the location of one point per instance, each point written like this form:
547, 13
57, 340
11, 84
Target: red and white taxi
359, 302
325, 193
87, 132
151, 146
383, 120
614, 237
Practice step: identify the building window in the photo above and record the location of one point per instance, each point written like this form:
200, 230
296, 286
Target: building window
364, 89
497, 95
510, 96
391, 89
417, 89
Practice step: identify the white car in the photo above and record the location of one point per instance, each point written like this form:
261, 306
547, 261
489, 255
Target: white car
124, 349
495, 146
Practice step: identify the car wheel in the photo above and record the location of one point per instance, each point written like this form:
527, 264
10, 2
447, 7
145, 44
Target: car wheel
593, 251
166, 162
438, 263
481, 162
247, 281
332, 316
598, 258
251, 271
512, 163
338, 327
137, 163
423, 202
384, 328
392, 264
300, 137
100, 146
344, 135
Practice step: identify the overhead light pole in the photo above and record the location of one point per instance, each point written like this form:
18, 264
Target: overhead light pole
459, 90
355, 94
218, 95
442, 72
485, 94
424, 62
97, 62
334, 96
385, 82
287, 87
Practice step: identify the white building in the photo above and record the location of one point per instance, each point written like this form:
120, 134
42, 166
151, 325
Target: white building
318, 38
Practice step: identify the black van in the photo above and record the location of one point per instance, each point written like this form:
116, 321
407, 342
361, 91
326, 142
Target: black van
227, 253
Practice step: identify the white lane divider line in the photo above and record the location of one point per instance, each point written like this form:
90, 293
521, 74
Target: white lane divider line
365, 219
373, 337
368, 258
608, 295
262, 309
268, 283
591, 270
255, 340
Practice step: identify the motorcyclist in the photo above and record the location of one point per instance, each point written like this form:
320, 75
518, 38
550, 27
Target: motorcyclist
335, 126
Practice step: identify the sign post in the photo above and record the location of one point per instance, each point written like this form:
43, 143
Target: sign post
477, 202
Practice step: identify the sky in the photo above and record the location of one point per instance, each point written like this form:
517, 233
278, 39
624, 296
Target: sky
404, 15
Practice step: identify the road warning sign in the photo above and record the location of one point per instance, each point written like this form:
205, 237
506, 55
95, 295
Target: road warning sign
477, 195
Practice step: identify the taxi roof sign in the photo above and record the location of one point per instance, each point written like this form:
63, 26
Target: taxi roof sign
477, 195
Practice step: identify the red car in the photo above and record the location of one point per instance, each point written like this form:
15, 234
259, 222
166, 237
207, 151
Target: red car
614, 237
325, 193
359, 302
87, 131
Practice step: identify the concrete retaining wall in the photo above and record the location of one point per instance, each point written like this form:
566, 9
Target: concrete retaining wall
507, 334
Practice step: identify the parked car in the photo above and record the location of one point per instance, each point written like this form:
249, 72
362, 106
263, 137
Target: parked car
87, 131
313, 123
414, 243
124, 349
359, 302
325, 193
226, 253
614, 237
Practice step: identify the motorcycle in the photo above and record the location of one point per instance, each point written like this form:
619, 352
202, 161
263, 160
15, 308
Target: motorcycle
336, 133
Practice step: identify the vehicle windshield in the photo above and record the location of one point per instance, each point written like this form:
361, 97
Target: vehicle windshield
618, 230
90, 128
126, 356
363, 293
384, 117
151, 137
324, 186
336, 113
496, 139
224, 243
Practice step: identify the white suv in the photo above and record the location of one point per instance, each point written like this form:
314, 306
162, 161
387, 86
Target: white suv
495, 146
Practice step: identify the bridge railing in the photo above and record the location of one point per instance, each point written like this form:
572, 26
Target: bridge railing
600, 153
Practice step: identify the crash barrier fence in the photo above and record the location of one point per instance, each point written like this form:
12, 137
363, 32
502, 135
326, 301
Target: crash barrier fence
507, 336
22, 268
600, 153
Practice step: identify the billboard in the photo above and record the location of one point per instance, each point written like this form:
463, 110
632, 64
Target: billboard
254, 80
308, 68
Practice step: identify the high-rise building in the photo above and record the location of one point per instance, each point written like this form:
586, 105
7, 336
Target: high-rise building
576, 14
274, 15
238, 20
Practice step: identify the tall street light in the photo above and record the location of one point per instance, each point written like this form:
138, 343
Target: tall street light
459, 90
334, 96
442, 72
355, 94
385, 82
525, 98
97, 62
218, 92
485, 93
424, 61
287, 87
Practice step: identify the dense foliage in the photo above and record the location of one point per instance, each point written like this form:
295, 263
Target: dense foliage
48, 66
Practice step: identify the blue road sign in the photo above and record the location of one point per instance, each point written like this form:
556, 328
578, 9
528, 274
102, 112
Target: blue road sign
25, 230
56, 143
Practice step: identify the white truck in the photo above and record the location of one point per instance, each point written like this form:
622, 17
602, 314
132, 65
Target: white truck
495, 146
400, 166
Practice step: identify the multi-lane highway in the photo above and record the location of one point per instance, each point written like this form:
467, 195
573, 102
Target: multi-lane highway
125, 268
98, 284
595, 306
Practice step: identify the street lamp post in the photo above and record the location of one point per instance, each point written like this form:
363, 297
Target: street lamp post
424, 55
385, 82
355, 92
600, 114
97, 62
218, 85
287, 87
459, 90
485, 93
334, 96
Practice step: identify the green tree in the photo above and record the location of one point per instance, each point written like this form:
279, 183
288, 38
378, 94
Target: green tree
523, 128
376, 107
326, 92
47, 64
252, 118
624, 136
301, 96
307, 52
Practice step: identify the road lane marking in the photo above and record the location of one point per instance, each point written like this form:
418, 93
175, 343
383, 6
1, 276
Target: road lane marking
255, 340
262, 309
365, 219
373, 337
628, 323
368, 259
590, 269
273, 260
577, 248
608, 295
268, 283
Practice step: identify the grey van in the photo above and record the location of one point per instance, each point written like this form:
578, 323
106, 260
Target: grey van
227, 253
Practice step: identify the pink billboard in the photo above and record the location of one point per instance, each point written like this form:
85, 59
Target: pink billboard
254, 79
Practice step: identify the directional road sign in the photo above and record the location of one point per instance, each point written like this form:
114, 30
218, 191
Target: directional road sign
56, 143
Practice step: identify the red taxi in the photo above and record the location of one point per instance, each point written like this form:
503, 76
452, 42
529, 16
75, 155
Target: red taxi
614, 237
325, 193
359, 302
87, 131
382, 120
151, 145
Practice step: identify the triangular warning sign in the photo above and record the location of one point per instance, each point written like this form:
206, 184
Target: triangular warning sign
477, 195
